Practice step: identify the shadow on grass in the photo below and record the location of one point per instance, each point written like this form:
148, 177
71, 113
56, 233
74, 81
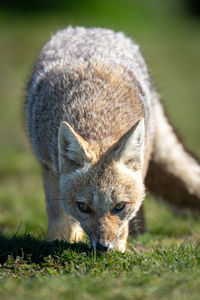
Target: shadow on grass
28, 246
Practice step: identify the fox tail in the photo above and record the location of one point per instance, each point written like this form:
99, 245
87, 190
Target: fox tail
173, 174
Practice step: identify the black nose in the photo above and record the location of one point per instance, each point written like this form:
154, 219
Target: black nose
101, 247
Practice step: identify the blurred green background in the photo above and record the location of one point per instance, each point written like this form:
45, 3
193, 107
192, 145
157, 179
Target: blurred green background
169, 34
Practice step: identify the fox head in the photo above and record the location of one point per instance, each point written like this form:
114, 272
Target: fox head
102, 193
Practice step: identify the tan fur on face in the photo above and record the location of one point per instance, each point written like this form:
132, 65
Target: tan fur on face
104, 229
108, 228
102, 186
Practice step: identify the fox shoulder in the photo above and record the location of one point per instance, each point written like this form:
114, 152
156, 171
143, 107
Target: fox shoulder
77, 80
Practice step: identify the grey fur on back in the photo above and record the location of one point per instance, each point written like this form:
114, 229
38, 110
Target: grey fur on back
94, 79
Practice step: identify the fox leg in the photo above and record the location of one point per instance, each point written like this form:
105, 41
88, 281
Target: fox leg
60, 225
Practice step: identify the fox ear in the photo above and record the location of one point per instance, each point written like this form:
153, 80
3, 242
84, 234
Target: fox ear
130, 148
71, 147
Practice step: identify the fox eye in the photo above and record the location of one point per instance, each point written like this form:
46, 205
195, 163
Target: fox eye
119, 207
84, 207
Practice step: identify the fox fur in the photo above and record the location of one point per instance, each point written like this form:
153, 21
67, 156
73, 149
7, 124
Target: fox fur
98, 129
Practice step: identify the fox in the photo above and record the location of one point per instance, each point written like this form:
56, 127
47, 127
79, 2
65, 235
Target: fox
100, 133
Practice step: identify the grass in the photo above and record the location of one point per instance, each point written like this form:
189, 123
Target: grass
163, 263
33, 268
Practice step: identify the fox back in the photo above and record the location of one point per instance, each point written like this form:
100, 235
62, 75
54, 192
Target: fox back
95, 80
